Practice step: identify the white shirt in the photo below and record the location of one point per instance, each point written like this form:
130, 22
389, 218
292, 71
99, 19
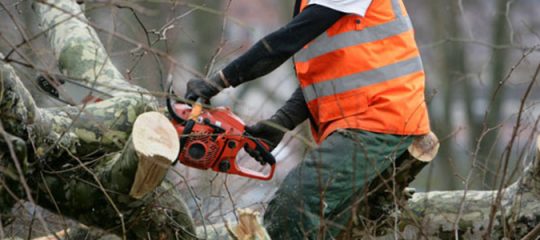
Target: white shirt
358, 7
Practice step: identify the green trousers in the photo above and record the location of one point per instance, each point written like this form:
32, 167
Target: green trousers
318, 198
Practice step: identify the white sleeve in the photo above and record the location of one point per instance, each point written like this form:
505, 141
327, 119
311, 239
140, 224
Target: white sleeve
358, 7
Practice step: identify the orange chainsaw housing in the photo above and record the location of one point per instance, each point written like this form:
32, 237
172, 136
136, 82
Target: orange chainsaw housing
216, 137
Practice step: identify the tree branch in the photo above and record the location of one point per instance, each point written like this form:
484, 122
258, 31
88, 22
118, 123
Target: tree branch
93, 162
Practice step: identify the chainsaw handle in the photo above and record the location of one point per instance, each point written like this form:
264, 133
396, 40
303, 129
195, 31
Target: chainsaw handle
262, 148
265, 154
250, 144
245, 172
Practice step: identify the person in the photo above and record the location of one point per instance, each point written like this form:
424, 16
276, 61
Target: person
361, 87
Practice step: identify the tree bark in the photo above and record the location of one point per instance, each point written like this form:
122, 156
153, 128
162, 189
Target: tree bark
466, 214
85, 161
82, 161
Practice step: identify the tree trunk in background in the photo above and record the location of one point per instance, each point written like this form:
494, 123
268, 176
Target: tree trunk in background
208, 33
80, 161
447, 57
498, 72
455, 75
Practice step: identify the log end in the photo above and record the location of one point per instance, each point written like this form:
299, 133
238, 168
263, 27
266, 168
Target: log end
425, 147
156, 144
249, 226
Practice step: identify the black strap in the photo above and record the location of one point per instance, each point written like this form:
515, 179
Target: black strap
170, 106
297, 7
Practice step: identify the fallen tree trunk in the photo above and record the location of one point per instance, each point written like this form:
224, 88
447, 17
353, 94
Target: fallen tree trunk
466, 214
83, 161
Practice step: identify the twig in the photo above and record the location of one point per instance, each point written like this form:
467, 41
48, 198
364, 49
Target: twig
19, 29
508, 152
57, 208
103, 190
127, 40
485, 128
195, 199
231, 199
210, 65
533, 234
22, 178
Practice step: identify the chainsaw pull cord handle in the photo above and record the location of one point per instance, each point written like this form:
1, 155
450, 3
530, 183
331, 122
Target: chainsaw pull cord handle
266, 155
196, 111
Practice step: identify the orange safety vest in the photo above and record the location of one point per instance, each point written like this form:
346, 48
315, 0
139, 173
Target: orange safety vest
365, 73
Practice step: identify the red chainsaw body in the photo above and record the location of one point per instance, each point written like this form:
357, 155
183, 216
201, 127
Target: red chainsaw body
207, 148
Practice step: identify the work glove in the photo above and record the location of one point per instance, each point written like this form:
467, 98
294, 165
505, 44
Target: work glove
271, 131
205, 88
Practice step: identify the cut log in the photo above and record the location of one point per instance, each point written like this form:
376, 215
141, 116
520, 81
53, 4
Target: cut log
248, 227
424, 148
156, 144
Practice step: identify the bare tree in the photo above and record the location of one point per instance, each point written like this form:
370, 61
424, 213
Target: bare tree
103, 164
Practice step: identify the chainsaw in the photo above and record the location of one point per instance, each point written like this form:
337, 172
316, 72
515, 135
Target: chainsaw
212, 138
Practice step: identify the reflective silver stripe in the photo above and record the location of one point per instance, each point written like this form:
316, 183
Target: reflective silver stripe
397, 8
324, 44
362, 79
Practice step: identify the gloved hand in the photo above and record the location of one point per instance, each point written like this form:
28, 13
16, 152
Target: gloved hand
270, 131
205, 89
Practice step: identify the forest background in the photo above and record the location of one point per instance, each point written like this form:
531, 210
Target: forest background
479, 56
